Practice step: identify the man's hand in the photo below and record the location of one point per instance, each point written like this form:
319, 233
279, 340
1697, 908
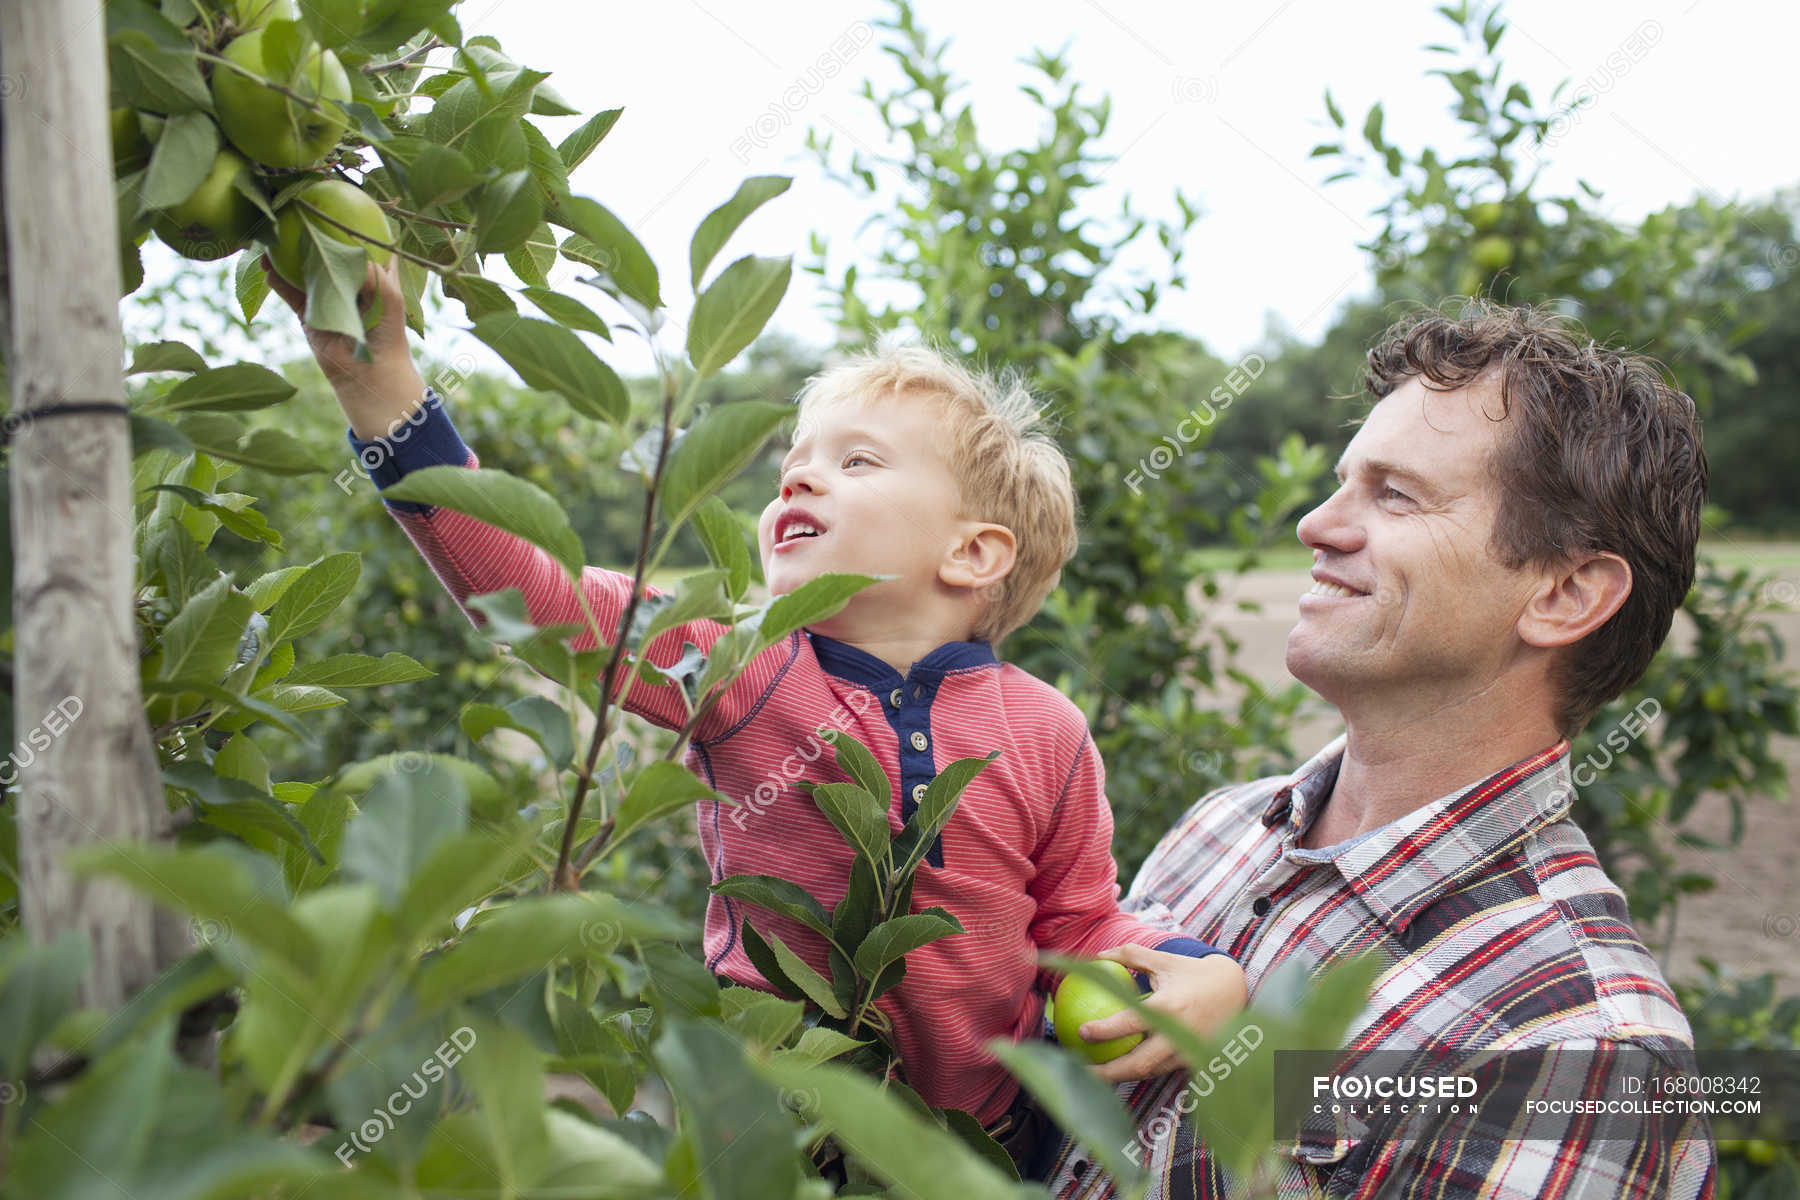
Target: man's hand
1203, 993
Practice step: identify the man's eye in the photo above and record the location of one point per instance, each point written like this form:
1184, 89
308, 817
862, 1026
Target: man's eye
1388, 493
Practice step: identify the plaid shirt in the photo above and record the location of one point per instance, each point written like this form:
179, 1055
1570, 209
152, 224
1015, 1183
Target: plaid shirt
1504, 943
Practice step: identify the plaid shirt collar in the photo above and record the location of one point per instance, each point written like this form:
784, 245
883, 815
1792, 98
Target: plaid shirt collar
1403, 867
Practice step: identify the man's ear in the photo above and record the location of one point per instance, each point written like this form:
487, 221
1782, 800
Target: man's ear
1575, 599
983, 556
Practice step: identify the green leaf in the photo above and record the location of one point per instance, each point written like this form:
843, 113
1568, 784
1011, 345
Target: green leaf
524, 935
506, 212
1067, 1089
552, 359
438, 175
659, 788
360, 670
765, 1020
734, 1116
457, 872
481, 298
273, 450
236, 388
240, 807
903, 1147
201, 641
37, 988
250, 282
544, 722
165, 356
854, 760
574, 149
901, 936
860, 817
734, 308
713, 451
258, 708
812, 985
181, 160
779, 896
725, 545
812, 601
212, 883
567, 311
681, 982
306, 602
723, 221
626, 263
397, 824
819, 1044
701, 598
334, 275
151, 63
504, 501
532, 260
941, 797
332, 22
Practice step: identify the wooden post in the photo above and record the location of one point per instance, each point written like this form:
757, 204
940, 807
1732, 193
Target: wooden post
78, 712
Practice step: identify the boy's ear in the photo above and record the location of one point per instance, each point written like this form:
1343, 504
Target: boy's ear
983, 556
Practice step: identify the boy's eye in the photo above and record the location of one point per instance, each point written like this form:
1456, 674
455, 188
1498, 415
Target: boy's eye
853, 459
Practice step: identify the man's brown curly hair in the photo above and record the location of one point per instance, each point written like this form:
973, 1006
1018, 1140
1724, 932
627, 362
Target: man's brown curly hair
1603, 455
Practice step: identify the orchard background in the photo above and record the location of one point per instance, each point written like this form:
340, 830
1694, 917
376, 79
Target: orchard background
373, 837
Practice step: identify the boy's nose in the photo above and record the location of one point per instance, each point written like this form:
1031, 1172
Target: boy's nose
799, 479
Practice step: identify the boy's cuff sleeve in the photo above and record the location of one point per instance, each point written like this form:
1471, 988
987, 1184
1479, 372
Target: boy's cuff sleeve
426, 438
1191, 947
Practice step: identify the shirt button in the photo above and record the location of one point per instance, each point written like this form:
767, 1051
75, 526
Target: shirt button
1260, 905
1078, 1168
918, 793
918, 740
894, 697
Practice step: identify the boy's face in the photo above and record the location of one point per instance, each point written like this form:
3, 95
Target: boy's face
864, 489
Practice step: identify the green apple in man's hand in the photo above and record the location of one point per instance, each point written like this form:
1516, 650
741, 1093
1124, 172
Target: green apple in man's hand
1079, 1000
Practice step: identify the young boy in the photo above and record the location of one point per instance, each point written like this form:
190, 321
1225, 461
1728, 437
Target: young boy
903, 464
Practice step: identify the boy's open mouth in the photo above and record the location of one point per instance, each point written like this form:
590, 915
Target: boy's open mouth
795, 524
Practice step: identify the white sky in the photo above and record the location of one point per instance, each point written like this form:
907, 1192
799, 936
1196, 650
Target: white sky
1221, 100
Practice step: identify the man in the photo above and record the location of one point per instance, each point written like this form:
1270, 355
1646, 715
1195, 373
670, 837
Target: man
1514, 527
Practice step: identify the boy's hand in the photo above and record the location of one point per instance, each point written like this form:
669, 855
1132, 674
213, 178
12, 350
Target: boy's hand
378, 394
1203, 993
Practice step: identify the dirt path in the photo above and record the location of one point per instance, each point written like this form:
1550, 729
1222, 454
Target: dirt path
1750, 923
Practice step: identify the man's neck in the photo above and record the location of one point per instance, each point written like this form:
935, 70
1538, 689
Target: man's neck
1391, 768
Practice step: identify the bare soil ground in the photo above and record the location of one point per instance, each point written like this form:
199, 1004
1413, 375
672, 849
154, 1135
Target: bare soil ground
1749, 923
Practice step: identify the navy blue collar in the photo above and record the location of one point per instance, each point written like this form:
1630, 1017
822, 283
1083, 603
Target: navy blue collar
859, 666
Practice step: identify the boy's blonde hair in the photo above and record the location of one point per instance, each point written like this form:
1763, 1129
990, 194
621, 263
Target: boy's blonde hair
1011, 471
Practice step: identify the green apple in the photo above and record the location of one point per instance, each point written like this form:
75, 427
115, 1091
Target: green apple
130, 147
1486, 215
273, 128
217, 219
1078, 1001
1492, 253
339, 201
254, 14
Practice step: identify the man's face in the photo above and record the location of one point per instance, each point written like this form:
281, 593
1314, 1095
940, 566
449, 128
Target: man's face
1409, 610
864, 489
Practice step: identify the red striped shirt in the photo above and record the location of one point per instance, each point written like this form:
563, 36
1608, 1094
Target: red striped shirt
1024, 864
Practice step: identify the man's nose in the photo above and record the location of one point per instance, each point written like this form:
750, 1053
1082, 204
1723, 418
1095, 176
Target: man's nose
1332, 525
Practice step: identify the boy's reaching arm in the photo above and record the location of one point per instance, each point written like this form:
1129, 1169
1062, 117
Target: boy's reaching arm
398, 425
